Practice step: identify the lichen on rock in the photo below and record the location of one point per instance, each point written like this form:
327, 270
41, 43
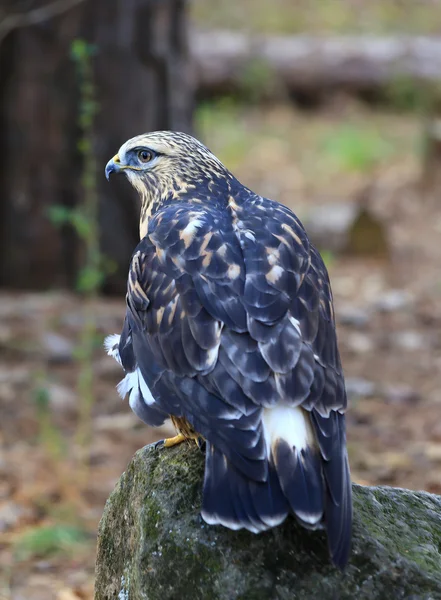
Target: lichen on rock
154, 545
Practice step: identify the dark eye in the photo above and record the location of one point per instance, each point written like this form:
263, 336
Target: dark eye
145, 156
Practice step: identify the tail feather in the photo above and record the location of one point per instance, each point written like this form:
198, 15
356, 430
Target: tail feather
301, 479
339, 513
331, 438
308, 475
235, 501
292, 447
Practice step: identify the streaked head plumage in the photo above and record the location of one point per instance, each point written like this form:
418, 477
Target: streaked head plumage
163, 153
167, 165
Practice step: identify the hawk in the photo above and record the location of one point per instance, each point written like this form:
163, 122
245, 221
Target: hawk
229, 330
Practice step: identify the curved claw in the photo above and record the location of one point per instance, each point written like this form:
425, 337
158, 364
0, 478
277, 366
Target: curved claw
159, 444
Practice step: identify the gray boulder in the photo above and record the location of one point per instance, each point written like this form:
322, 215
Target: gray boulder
153, 544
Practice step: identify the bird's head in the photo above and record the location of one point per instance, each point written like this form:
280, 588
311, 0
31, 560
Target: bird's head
165, 166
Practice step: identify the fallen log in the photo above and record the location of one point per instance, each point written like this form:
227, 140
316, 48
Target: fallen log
304, 63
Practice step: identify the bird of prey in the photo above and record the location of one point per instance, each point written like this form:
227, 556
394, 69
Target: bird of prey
230, 331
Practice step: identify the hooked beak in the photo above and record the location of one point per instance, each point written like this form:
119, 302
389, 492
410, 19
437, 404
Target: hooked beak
113, 166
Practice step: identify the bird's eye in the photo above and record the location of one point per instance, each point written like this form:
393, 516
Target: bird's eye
145, 156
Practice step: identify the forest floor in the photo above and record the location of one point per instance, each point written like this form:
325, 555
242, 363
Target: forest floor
389, 325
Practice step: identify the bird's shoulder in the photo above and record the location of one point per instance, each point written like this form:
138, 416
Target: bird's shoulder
189, 259
240, 220
195, 238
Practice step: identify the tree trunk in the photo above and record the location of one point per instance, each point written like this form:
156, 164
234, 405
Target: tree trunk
142, 83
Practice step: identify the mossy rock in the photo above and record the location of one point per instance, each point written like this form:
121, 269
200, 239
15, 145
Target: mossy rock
153, 544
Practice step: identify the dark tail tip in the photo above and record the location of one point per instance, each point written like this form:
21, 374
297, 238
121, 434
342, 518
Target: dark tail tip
235, 501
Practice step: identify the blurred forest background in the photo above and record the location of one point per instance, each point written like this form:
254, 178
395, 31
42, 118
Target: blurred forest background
332, 107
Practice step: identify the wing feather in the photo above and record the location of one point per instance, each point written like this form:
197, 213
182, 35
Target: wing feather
234, 308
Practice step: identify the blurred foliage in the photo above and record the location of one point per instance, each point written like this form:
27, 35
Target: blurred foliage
320, 16
91, 275
49, 435
65, 535
85, 221
405, 94
272, 142
85, 224
223, 117
356, 148
48, 540
328, 257
84, 218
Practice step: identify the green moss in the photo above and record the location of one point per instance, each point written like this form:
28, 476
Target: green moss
153, 544
409, 533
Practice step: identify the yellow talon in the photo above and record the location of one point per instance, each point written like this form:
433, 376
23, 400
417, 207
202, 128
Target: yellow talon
178, 439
